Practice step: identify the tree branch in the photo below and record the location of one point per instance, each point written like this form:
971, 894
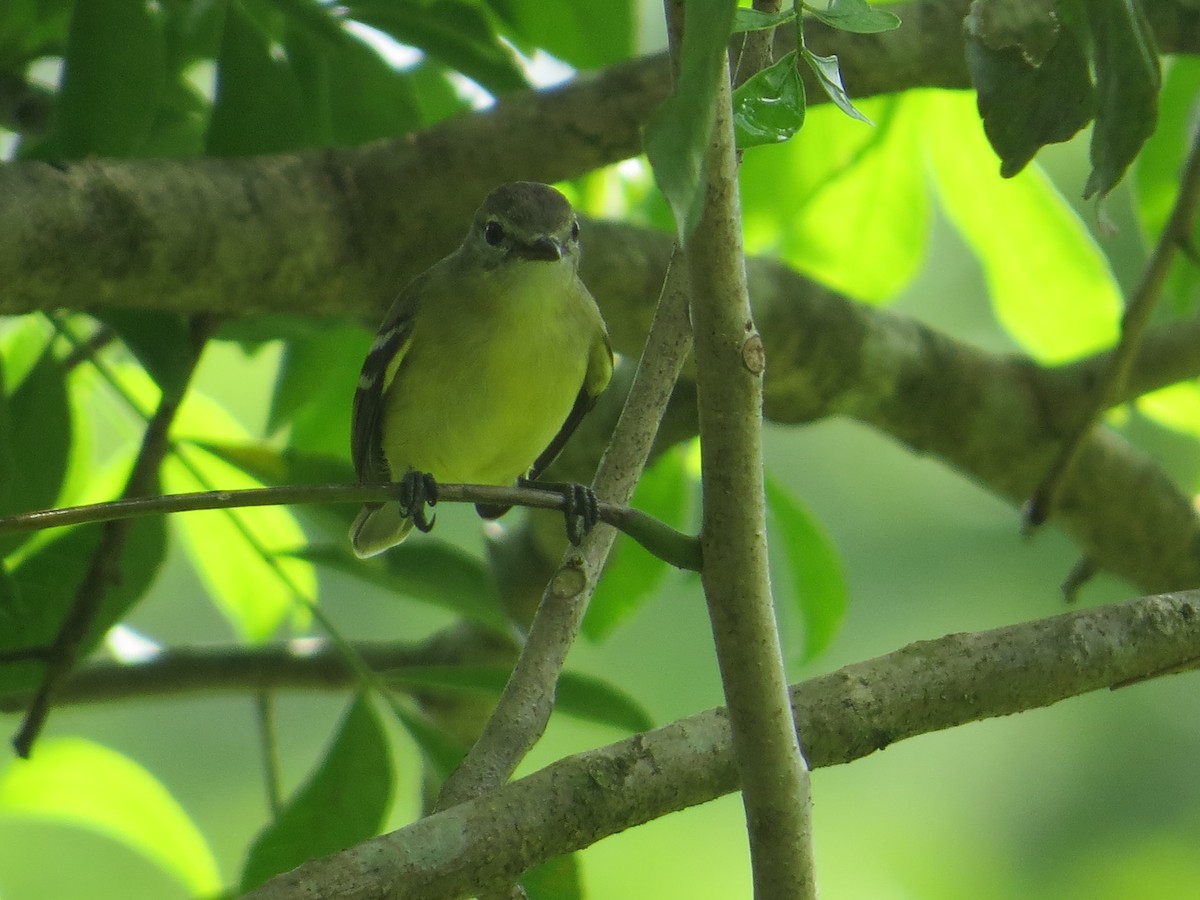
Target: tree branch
657, 537
845, 715
737, 584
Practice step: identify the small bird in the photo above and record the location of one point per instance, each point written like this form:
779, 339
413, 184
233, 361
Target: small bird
482, 368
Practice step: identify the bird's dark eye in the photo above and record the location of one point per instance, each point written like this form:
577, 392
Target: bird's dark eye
575, 230
493, 232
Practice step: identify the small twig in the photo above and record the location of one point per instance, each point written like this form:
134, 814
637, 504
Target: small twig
669, 545
104, 568
264, 714
1176, 236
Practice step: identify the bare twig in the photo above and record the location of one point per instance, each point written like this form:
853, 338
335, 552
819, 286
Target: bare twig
665, 542
1176, 235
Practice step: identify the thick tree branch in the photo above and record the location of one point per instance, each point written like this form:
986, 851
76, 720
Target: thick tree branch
338, 230
845, 715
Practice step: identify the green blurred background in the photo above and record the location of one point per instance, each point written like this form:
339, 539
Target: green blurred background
1097, 797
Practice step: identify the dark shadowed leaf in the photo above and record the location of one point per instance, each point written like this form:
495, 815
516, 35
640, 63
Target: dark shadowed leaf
579, 696
259, 107
455, 33
1024, 107
343, 803
114, 70
429, 570
1127, 84
583, 35
818, 583
633, 573
44, 586
35, 437
161, 341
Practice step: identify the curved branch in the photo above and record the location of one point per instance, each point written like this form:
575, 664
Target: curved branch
848, 714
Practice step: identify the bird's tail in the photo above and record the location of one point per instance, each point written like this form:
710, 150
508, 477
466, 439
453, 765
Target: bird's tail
377, 528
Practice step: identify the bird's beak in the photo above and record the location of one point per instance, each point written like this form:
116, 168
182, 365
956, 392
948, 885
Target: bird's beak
543, 247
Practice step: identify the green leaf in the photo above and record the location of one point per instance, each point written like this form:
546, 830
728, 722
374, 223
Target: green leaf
35, 438
259, 106
353, 94
678, 133
1176, 406
1156, 176
583, 35
558, 878
856, 16
161, 341
837, 191
429, 570
114, 70
818, 582
769, 106
315, 386
633, 573
455, 33
1025, 107
745, 19
829, 73
270, 466
243, 556
579, 696
1050, 285
77, 782
1127, 84
343, 803
45, 584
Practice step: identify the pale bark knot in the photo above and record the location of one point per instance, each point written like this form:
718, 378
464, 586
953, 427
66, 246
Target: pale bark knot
754, 357
569, 581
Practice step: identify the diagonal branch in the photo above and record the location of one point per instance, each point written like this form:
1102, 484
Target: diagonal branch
845, 715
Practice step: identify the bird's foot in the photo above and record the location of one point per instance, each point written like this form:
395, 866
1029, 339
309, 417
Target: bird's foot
581, 509
418, 492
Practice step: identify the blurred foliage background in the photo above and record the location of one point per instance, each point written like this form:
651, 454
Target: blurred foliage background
1094, 798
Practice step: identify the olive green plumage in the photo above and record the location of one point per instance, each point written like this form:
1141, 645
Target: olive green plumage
485, 362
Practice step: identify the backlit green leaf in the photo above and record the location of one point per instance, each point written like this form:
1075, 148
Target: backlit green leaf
1050, 285
77, 782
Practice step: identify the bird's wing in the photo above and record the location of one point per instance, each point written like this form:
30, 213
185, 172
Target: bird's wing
599, 373
383, 360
